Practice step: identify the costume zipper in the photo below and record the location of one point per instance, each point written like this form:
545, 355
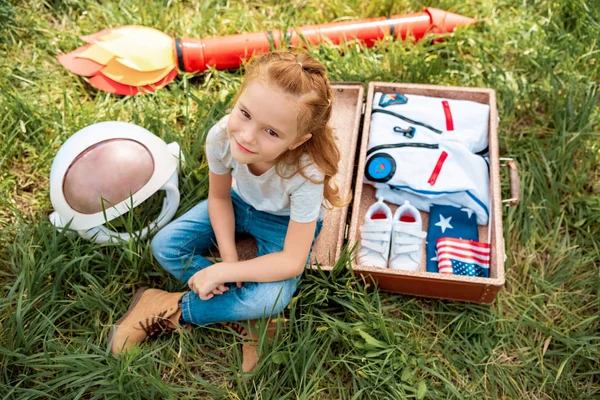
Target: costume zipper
402, 117
395, 145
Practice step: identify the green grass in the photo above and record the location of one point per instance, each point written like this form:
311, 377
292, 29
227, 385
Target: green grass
60, 295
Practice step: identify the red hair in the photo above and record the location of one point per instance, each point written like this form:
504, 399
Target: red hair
304, 77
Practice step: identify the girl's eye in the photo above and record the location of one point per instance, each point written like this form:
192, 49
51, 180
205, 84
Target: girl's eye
272, 133
245, 114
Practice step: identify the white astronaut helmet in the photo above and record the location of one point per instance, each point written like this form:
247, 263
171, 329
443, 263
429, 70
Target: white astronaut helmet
104, 170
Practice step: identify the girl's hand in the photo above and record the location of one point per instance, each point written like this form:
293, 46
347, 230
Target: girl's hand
203, 284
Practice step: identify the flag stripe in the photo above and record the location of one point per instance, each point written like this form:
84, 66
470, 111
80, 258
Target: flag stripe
463, 253
445, 262
462, 258
451, 265
462, 250
463, 242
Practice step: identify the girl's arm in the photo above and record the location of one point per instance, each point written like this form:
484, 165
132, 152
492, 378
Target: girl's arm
275, 266
220, 211
268, 268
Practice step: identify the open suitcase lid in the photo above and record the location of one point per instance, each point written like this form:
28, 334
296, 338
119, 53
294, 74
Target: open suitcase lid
345, 120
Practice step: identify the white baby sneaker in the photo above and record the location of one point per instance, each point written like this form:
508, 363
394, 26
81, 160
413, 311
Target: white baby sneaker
375, 233
407, 237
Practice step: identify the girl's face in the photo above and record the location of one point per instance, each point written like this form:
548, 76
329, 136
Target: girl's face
263, 124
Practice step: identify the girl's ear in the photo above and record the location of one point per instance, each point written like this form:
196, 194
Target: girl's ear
300, 141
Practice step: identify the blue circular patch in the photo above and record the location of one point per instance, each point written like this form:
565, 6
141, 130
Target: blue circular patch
380, 167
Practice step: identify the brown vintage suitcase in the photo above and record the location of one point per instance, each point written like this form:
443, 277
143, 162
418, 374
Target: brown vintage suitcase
348, 108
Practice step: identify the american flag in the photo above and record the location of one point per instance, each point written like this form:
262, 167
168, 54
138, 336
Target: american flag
463, 257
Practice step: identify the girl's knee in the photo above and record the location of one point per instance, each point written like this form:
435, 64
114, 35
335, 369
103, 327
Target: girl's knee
159, 245
271, 298
167, 253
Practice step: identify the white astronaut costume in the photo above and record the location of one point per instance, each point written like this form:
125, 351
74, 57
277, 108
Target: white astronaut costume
104, 170
429, 151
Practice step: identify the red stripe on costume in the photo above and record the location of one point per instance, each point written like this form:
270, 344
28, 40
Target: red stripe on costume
438, 168
448, 113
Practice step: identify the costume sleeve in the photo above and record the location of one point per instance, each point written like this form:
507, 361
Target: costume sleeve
217, 147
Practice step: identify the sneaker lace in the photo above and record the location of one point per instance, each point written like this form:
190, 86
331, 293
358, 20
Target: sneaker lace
157, 325
239, 329
375, 237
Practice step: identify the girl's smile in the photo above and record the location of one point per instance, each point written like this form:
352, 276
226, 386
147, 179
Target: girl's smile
243, 149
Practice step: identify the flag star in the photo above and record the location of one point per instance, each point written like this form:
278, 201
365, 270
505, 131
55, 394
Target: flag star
444, 223
468, 211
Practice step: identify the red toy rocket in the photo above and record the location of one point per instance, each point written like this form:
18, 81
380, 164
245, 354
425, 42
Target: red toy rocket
133, 59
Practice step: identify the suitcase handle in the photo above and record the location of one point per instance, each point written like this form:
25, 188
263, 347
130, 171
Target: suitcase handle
513, 178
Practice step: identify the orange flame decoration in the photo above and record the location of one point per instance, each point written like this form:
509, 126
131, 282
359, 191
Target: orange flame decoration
131, 59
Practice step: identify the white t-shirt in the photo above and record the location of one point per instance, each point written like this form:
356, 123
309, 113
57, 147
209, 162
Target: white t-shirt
295, 196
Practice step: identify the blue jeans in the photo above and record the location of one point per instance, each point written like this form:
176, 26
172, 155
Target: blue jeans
179, 248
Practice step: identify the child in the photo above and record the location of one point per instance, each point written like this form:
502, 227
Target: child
279, 148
